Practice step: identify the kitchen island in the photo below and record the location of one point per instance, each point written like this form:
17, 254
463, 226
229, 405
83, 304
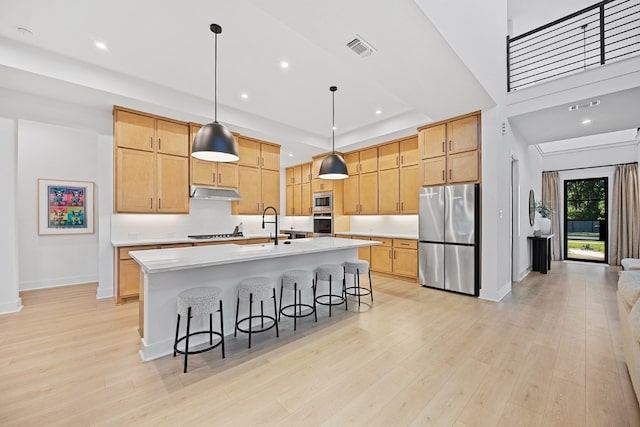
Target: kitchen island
167, 272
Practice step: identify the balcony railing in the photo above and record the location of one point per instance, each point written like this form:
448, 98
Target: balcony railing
605, 32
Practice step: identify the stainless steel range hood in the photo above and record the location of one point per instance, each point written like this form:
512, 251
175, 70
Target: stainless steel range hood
213, 193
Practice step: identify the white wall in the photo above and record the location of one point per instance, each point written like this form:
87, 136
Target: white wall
61, 153
9, 299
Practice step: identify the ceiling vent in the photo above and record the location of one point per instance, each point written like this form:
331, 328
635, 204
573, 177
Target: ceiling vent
585, 105
361, 47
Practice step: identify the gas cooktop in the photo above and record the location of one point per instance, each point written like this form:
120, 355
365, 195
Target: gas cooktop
214, 236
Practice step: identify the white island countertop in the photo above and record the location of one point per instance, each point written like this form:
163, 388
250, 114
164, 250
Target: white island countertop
375, 234
174, 259
116, 243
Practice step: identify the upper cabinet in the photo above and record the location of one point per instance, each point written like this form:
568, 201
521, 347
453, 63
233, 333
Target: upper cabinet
151, 163
397, 177
259, 177
213, 174
360, 196
450, 151
298, 190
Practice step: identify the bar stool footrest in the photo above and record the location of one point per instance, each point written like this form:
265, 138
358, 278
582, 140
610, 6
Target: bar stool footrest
261, 328
211, 346
296, 306
340, 300
357, 291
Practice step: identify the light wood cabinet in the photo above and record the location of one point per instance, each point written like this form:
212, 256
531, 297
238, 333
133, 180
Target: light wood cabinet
298, 187
409, 151
214, 174
398, 180
151, 167
127, 283
395, 256
409, 189
389, 188
360, 194
450, 151
258, 177
389, 156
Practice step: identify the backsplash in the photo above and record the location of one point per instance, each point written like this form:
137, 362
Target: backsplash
400, 224
205, 217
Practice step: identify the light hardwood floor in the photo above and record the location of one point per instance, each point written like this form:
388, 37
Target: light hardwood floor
548, 354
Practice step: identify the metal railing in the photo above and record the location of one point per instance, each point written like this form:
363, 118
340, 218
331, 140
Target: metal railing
598, 34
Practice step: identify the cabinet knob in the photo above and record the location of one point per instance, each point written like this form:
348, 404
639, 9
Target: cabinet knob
151, 202
443, 150
151, 142
214, 177
449, 145
219, 177
449, 174
159, 203
159, 144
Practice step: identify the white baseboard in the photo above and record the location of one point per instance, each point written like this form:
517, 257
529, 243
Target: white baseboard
56, 283
104, 292
497, 295
11, 307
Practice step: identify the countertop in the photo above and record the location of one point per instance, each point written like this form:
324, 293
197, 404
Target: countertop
173, 259
185, 239
375, 234
294, 230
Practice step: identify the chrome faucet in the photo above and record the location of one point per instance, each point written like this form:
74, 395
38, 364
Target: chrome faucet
275, 222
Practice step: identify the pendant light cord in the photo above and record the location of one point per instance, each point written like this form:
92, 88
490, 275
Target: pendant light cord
333, 122
215, 79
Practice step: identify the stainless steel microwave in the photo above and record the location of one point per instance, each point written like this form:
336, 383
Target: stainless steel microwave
323, 202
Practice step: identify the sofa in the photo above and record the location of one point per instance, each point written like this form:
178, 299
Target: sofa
629, 310
630, 263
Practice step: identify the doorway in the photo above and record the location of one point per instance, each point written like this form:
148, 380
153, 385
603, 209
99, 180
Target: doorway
586, 219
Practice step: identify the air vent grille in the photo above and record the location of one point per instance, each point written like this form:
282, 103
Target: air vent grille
585, 105
361, 47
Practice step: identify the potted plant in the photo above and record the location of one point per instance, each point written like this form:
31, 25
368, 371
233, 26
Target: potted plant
546, 212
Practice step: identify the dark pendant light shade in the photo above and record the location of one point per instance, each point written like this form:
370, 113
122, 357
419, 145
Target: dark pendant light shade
333, 166
214, 142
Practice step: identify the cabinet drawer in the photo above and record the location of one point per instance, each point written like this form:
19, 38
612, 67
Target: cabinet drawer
176, 245
123, 253
385, 242
405, 243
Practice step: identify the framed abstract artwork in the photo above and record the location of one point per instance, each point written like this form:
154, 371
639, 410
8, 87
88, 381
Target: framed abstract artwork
65, 207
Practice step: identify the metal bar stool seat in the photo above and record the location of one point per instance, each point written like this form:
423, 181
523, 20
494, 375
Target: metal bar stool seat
296, 281
199, 302
334, 274
256, 289
356, 267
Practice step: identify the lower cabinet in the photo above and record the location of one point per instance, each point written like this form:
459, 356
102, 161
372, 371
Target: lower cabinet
128, 273
395, 256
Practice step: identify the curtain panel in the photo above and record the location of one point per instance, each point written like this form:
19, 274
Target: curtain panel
551, 197
625, 214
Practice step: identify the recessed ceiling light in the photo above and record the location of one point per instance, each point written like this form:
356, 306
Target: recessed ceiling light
284, 64
378, 111
100, 45
334, 128
244, 96
290, 154
586, 121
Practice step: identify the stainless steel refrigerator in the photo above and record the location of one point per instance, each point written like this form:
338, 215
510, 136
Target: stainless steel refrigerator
449, 233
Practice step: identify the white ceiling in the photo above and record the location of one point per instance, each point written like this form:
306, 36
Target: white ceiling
160, 59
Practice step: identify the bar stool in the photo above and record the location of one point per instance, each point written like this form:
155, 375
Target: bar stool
296, 281
199, 302
256, 289
358, 267
332, 273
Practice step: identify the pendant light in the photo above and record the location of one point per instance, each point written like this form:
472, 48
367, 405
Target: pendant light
333, 166
214, 142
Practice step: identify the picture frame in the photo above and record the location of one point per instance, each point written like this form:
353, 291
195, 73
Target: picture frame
65, 207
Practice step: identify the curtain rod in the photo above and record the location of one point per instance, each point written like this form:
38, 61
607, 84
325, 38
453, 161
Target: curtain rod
591, 167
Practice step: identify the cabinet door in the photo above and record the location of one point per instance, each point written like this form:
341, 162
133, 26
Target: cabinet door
270, 184
203, 173
128, 279
173, 184
409, 152
433, 171
381, 259
350, 197
405, 262
433, 141
173, 138
297, 174
388, 156
463, 134
289, 176
249, 189
249, 151
315, 167
389, 186
135, 181
227, 175
270, 157
409, 188
369, 193
289, 206
369, 160
353, 162
306, 173
306, 199
321, 185
134, 131
297, 199
463, 167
